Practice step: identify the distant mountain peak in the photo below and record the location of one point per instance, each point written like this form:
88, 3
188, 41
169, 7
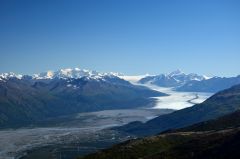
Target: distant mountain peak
68, 73
207, 77
5, 76
174, 79
176, 72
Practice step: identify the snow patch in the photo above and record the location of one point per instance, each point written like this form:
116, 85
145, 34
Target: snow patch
133, 79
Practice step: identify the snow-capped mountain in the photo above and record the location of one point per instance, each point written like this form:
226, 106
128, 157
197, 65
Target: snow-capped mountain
74, 78
67, 73
5, 76
28, 99
179, 80
192, 82
173, 79
214, 84
73, 73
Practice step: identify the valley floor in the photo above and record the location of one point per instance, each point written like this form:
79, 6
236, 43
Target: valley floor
82, 128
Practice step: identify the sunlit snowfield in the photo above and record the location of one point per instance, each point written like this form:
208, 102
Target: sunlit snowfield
88, 126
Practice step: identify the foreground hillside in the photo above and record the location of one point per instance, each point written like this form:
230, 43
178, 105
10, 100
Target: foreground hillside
222, 103
218, 138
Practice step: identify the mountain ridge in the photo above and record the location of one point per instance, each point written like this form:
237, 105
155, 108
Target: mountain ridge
218, 138
221, 103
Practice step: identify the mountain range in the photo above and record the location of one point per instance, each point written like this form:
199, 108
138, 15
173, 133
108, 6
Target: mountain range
173, 79
192, 82
27, 99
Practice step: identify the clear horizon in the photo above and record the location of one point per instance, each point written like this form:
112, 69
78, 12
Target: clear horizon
133, 37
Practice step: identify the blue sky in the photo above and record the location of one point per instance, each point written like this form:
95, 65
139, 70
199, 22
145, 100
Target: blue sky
128, 36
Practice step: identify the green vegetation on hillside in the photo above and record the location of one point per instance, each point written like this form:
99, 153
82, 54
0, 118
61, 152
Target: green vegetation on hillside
218, 139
